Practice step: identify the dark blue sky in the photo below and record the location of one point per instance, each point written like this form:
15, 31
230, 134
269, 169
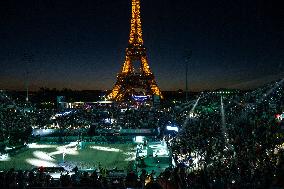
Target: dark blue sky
81, 44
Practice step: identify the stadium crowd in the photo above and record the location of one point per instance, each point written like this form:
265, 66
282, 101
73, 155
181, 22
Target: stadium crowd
224, 141
96, 179
235, 141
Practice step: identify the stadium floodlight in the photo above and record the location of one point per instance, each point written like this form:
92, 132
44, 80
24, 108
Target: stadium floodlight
172, 128
139, 139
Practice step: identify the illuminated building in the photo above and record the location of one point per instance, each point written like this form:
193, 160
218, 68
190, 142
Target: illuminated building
131, 79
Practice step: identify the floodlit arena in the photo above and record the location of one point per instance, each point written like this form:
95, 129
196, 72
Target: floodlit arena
221, 134
204, 111
86, 156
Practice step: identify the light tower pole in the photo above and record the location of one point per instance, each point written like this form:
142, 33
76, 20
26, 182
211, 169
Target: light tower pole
187, 58
28, 58
27, 86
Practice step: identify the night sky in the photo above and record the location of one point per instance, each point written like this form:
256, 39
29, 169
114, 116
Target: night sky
81, 44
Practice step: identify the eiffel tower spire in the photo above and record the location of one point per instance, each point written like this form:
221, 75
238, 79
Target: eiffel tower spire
130, 79
135, 36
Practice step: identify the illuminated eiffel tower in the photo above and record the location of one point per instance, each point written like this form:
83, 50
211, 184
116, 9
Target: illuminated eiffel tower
130, 79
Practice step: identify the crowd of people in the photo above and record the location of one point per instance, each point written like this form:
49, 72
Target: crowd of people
236, 140
101, 178
15, 125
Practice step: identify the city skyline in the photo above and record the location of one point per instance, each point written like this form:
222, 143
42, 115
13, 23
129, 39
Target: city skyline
81, 45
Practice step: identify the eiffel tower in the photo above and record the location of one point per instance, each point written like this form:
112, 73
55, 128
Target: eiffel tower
131, 78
